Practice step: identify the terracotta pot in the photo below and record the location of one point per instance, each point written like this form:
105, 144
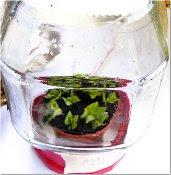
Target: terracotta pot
94, 136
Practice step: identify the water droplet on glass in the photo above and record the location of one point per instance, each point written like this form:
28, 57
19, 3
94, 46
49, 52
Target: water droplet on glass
120, 45
51, 53
94, 47
83, 46
105, 40
53, 40
107, 47
136, 72
55, 45
60, 45
26, 134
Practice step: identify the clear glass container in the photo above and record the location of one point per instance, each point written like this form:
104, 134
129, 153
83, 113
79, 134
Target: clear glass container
82, 86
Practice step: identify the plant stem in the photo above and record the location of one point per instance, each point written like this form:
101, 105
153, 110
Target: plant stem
104, 98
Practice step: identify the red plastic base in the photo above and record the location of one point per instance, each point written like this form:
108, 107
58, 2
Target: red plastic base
56, 163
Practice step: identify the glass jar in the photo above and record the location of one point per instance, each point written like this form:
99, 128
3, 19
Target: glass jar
82, 84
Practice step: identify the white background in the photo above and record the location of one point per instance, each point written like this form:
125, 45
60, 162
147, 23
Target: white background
150, 155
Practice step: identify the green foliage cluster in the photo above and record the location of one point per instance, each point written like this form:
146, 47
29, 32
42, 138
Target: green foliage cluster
81, 80
93, 113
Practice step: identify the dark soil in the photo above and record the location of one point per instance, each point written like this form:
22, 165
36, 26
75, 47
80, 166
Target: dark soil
78, 109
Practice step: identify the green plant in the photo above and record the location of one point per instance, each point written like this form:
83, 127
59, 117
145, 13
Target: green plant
94, 93
54, 94
71, 121
72, 99
81, 80
95, 114
112, 98
52, 111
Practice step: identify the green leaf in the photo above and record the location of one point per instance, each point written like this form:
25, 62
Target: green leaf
95, 109
81, 76
92, 108
53, 94
72, 99
48, 112
68, 119
53, 105
71, 121
74, 121
112, 98
52, 111
84, 115
99, 121
76, 85
57, 112
95, 114
96, 124
104, 98
67, 101
103, 117
75, 99
100, 111
89, 118
94, 93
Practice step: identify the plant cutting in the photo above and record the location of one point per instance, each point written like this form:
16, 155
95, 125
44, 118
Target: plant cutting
82, 113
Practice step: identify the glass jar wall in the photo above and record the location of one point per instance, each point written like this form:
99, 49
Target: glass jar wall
83, 88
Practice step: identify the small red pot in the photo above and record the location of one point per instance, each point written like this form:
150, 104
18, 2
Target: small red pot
95, 136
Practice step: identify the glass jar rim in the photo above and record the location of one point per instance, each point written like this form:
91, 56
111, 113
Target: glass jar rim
67, 19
